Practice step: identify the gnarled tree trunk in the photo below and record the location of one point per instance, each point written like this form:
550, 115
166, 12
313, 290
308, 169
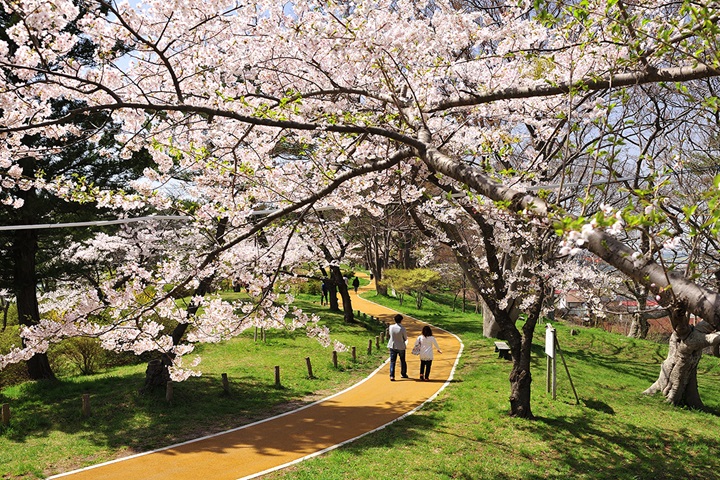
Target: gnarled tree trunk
678, 373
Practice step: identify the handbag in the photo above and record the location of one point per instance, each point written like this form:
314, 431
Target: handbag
416, 348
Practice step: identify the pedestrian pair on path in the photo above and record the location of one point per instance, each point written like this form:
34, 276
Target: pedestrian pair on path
397, 345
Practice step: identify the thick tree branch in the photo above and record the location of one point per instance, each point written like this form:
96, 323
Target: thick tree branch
675, 74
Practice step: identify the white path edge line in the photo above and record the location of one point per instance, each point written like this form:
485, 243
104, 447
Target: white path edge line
333, 447
315, 454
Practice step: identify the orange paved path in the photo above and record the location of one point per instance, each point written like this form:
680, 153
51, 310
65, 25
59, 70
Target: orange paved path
271, 444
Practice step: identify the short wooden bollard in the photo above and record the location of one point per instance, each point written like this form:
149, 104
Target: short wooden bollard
377, 342
354, 354
86, 405
334, 358
225, 383
5, 414
382, 337
277, 377
370, 346
309, 367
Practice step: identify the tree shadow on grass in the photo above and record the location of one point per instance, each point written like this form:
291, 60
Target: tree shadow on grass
599, 406
592, 450
121, 417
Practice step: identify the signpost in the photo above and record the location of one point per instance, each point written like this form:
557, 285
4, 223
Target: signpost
551, 376
552, 346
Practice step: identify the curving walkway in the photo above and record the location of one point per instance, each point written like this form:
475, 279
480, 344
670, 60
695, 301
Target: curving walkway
259, 448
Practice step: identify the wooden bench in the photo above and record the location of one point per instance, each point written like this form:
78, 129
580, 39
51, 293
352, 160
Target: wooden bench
503, 350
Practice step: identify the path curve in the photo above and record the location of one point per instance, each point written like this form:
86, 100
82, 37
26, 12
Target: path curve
274, 443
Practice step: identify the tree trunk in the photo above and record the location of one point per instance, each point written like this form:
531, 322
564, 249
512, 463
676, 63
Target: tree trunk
5, 309
379, 288
339, 282
25, 248
639, 327
332, 296
491, 329
678, 373
157, 373
521, 349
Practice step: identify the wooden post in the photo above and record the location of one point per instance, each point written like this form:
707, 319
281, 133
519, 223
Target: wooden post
370, 346
354, 354
255, 336
277, 377
169, 391
377, 342
86, 405
263, 334
309, 366
5, 414
335, 358
225, 383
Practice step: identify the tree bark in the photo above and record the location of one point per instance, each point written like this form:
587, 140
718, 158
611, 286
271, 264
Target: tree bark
25, 247
521, 350
342, 288
332, 295
491, 329
678, 373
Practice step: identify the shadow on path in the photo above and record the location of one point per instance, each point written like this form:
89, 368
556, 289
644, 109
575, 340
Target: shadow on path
280, 441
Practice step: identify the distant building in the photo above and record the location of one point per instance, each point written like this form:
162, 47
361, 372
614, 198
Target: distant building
571, 303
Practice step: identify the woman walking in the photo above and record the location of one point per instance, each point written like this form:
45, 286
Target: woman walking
426, 342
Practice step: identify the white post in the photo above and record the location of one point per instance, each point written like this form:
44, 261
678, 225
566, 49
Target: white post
550, 352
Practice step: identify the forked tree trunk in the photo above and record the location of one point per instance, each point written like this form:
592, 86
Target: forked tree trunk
520, 381
521, 349
678, 373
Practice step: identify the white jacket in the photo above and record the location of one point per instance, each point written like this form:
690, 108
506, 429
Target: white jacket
426, 346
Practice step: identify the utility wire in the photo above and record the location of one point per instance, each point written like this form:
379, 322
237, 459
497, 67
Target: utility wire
96, 223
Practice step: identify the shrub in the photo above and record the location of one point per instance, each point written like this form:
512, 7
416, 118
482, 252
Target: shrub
81, 353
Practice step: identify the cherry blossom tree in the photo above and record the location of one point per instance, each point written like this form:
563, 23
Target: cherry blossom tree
489, 100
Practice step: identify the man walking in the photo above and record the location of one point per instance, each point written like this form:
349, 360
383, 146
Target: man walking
396, 345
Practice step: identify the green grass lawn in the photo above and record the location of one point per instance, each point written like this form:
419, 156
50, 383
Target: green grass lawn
48, 433
615, 432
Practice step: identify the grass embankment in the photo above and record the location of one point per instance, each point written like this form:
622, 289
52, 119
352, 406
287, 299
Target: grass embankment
48, 433
615, 433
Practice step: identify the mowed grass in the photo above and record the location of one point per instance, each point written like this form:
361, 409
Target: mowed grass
49, 435
615, 432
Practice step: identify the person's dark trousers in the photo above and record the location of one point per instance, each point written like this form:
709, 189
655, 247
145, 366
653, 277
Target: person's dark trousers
394, 354
425, 368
